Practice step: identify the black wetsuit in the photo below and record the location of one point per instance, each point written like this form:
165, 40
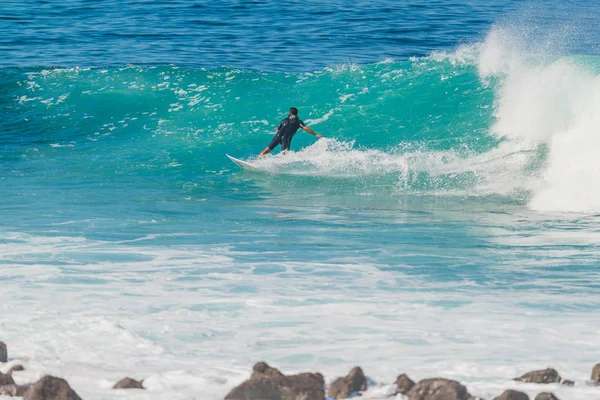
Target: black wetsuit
285, 132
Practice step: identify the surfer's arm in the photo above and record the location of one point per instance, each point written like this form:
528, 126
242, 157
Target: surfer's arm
307, 129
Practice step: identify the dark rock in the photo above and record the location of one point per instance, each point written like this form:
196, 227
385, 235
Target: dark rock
6, 379
403, 384
3, 352
128, 383
566, 382
548, 375
438, 389
50, 388
13, 390
546, 396
596, 373
342, 388
263, 370
305, 386
15, 368
512, 395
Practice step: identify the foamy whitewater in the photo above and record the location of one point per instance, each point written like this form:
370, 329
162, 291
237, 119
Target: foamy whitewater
447, 224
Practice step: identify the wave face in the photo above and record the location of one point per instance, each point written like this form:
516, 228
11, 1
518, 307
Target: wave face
488, 119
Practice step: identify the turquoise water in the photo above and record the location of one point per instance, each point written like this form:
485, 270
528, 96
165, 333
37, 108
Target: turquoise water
156, 137
445, 225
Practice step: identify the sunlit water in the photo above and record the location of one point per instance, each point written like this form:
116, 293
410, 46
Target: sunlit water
447, 224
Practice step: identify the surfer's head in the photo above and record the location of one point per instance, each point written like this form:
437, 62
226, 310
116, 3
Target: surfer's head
294, 111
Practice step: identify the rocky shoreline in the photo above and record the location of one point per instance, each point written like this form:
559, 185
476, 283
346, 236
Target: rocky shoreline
268, 383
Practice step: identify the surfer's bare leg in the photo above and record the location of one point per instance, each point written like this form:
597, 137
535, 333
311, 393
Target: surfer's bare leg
265, 151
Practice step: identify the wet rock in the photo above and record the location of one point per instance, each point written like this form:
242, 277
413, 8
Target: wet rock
438, 389
404, 384
596, 373
8, 390
263, 370
128, 383
512, 395
306, 386
547, 375
15, 368
50, 388
546, 396
354, 382
13, 390
566, 382
6, 379
3, 352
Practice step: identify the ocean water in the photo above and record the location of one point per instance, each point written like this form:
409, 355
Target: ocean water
446, 225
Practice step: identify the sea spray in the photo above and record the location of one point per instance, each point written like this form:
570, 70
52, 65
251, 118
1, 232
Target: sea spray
548, 100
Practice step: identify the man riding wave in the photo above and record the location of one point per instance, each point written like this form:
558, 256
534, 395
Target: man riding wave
285, 132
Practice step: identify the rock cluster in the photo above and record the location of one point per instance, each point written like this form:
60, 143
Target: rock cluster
47, 388
268, 383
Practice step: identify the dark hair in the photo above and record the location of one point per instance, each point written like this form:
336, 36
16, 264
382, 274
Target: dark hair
294, 111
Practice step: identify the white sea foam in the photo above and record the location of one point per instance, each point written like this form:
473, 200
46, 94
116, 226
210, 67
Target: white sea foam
320, 119
499, 171
545, 99
192, 320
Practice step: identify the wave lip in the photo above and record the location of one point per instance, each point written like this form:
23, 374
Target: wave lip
549, 100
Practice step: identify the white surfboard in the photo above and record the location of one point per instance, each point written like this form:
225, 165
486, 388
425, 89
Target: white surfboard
244, 164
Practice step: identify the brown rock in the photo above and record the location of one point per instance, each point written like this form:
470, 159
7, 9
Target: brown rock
15, 368
546, 396
263, 370
566, 382
3, 352
512, 395
13, 390
438, 389
403, 384
548, 375
305, 386
354, 382
596, 373
128, 383
8, 390
50, 388
6, 379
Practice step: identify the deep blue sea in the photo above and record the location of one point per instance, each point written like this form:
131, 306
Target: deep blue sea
446, 225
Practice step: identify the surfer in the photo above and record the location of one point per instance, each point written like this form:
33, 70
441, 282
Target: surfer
285, 132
